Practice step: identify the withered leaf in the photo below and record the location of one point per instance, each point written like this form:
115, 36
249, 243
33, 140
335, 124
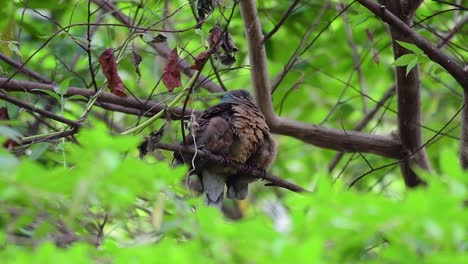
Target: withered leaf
200, 60
205, 7
220, 39
159, 39
228, 44
171, 73
4, 113
227, 59
9, 143
109, 68
214, 40
149, 143
136, 60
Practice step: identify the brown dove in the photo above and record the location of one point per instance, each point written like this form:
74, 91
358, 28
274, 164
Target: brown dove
236, 130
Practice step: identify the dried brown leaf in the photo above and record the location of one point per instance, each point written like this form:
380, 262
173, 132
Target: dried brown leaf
159, 39
9, 143
220, 39
136, 60
227, 59
4, 114
171, 73
109, 68
205, 7
228, 44
214, 40
200, 60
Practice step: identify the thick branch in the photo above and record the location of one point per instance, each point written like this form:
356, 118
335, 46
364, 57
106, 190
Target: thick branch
161, 48
409, 98
258, 60
431, 51
275, 181
349, 141
319, 136
363, 123
464, 134
105, 100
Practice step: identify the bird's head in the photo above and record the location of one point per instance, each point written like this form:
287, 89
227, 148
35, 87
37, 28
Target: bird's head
236, 96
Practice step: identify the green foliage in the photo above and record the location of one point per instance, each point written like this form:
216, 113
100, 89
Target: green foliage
331, 225
149, 214
412, 59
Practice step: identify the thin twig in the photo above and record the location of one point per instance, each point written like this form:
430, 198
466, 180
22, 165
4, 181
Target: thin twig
35, 109
281, 22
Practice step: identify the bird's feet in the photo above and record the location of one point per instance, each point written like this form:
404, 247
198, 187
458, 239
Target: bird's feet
263, 174
227, 160
250, 169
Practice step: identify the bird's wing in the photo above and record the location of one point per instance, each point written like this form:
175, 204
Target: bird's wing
256, 147
250, 128
207, 121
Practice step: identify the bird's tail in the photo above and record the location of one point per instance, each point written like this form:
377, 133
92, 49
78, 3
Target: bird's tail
213, 186
237, 188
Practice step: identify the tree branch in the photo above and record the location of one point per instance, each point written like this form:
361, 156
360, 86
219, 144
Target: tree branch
431, 51
464, 134
26, 71
34, 109
275, 181
161, 48
408, 87
106, 100
335, 139
363, 123
281, 22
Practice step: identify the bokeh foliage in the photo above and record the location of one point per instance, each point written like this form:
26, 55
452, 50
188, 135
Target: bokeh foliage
148, 213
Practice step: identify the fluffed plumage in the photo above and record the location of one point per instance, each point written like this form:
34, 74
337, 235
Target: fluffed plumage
237, 130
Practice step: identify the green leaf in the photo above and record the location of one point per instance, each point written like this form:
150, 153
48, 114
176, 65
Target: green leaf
410, 46
10, 133
36, 150
411, 65
438, 70
77, 97
404, 60
13, 46
346, 110
50, 93
423, 59
7, 161
63, 88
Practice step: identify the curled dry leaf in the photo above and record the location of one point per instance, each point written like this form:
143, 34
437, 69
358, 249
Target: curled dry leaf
159, 39
4, 114
149, 143
227, 59
9, 143
205, 7
220, 39
136, 60
109, 68
214, 40
171, 73
200, 60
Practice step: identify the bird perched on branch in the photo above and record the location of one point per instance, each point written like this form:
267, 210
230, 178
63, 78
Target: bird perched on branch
236, 130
